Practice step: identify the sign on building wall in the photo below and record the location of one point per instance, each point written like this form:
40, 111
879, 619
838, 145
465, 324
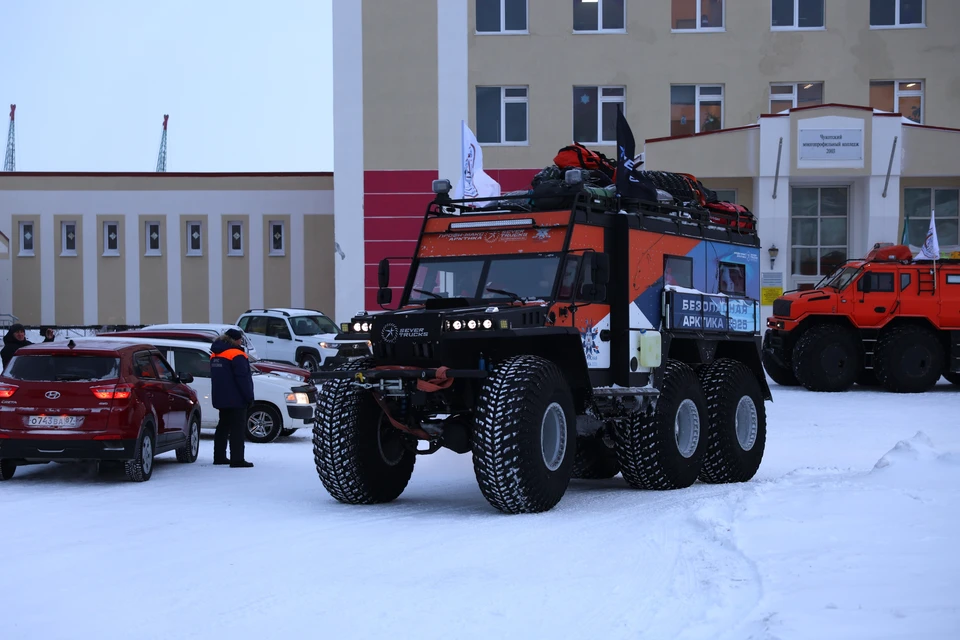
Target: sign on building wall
771, 286
830, 144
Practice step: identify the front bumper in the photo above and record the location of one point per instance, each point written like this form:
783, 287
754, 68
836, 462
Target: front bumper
69, 450
303, 412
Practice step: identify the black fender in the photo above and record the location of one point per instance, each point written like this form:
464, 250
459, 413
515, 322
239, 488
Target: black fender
311, 350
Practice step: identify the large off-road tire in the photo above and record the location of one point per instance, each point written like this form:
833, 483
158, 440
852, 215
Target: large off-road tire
952, 378
909, 359
524, 437
782, 375
361, 458
738, 422
665, 450
827, 357
264, 423
191, 449
595, 460
7, 469
140, 468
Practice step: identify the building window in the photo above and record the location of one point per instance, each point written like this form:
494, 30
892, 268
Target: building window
502, 115
896, 13
501, 16
68, 238
194, 238
695, 108
790, 96
26, 239
111, 238
595, 113
901, 96
599, 15
726, 195
917, 206
796, 14
235, 238
277, 238
151, 232
818, 219
696, 15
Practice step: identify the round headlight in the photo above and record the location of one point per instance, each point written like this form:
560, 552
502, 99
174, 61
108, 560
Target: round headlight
488, 323
472, 324
457, 324
365, 327
356, 326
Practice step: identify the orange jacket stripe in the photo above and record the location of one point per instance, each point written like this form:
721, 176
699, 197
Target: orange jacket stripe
229, 354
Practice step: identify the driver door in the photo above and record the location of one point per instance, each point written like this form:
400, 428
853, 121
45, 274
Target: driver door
279, 343
876, 297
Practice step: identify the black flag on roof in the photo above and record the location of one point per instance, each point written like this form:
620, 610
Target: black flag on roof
629, 184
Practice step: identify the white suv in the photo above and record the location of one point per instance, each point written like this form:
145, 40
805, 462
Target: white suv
304, 337
280, 407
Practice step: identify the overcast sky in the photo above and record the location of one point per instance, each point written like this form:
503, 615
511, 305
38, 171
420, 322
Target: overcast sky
247, 84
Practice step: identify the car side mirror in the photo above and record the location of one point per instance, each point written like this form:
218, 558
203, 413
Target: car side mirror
601, 268
383, 274
593, 293
185, 378
384, 296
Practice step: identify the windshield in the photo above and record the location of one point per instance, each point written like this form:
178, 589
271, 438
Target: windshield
839, 279
511, 277
44, 368
313, 325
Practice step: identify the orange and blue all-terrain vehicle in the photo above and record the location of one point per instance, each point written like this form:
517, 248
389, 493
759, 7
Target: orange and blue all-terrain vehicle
553, 338
887, 320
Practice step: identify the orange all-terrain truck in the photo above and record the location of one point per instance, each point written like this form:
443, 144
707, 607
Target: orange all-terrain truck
887, 319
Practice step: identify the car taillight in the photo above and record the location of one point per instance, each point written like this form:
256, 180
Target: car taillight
7, 390
113, 392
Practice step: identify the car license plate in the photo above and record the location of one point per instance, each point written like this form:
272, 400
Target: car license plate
53, 421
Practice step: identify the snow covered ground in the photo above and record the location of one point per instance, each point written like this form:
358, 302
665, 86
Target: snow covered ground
848, 531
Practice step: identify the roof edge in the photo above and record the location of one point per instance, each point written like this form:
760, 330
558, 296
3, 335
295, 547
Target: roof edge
702, 133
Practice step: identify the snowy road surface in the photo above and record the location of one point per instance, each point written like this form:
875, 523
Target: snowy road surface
848, 531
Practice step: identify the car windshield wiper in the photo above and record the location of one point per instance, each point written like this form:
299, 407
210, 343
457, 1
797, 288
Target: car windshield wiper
512, 295
429, 293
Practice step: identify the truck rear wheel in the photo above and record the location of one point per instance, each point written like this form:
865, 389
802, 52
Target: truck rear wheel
595, 460
524, 437
953, 378
360, 457
665, 451
782, 374
738, 422
827, 357
909, 359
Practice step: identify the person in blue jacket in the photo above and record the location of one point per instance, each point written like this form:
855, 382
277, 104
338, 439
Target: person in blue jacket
231, 390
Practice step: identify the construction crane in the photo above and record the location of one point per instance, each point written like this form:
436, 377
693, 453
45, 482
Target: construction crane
9, 160
162, 157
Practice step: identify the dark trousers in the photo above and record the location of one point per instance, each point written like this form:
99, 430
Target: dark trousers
232, 425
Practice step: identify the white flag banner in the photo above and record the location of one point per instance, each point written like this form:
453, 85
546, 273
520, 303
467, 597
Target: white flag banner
474, 182
931, 246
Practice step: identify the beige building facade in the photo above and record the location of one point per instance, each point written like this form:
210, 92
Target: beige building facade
132, 249
529, 76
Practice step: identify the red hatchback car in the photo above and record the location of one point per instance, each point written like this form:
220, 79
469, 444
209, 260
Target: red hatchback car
84, 400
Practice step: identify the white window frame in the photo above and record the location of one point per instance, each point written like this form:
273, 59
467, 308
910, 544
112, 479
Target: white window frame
896, 18
503, 114
24, 224
699, 28
64, 226
601, 100
191, 252
107, 251
726, 190
806, 278
796, 19
271, 226
906, 93
147, 251
503, 22
933, 204
600, 28
794, 95
697, 99
232, 227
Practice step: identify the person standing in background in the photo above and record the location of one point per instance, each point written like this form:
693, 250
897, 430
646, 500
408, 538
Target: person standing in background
16, 337
231, 391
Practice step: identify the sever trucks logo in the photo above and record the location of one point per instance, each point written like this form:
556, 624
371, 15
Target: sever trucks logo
391, 332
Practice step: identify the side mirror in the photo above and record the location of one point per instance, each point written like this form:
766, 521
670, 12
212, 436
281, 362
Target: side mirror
593, 293
384, 296
185, 378
601, 268
383, 274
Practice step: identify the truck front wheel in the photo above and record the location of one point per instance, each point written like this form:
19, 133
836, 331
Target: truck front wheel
360, 457
827, 357
524, 437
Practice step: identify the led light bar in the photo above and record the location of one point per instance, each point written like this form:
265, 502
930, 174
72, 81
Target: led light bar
486, 224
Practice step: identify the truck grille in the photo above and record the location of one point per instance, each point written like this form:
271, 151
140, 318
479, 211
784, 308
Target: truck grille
781, 307
351, 350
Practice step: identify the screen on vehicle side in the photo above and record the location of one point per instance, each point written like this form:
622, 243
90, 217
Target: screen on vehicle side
65, 368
